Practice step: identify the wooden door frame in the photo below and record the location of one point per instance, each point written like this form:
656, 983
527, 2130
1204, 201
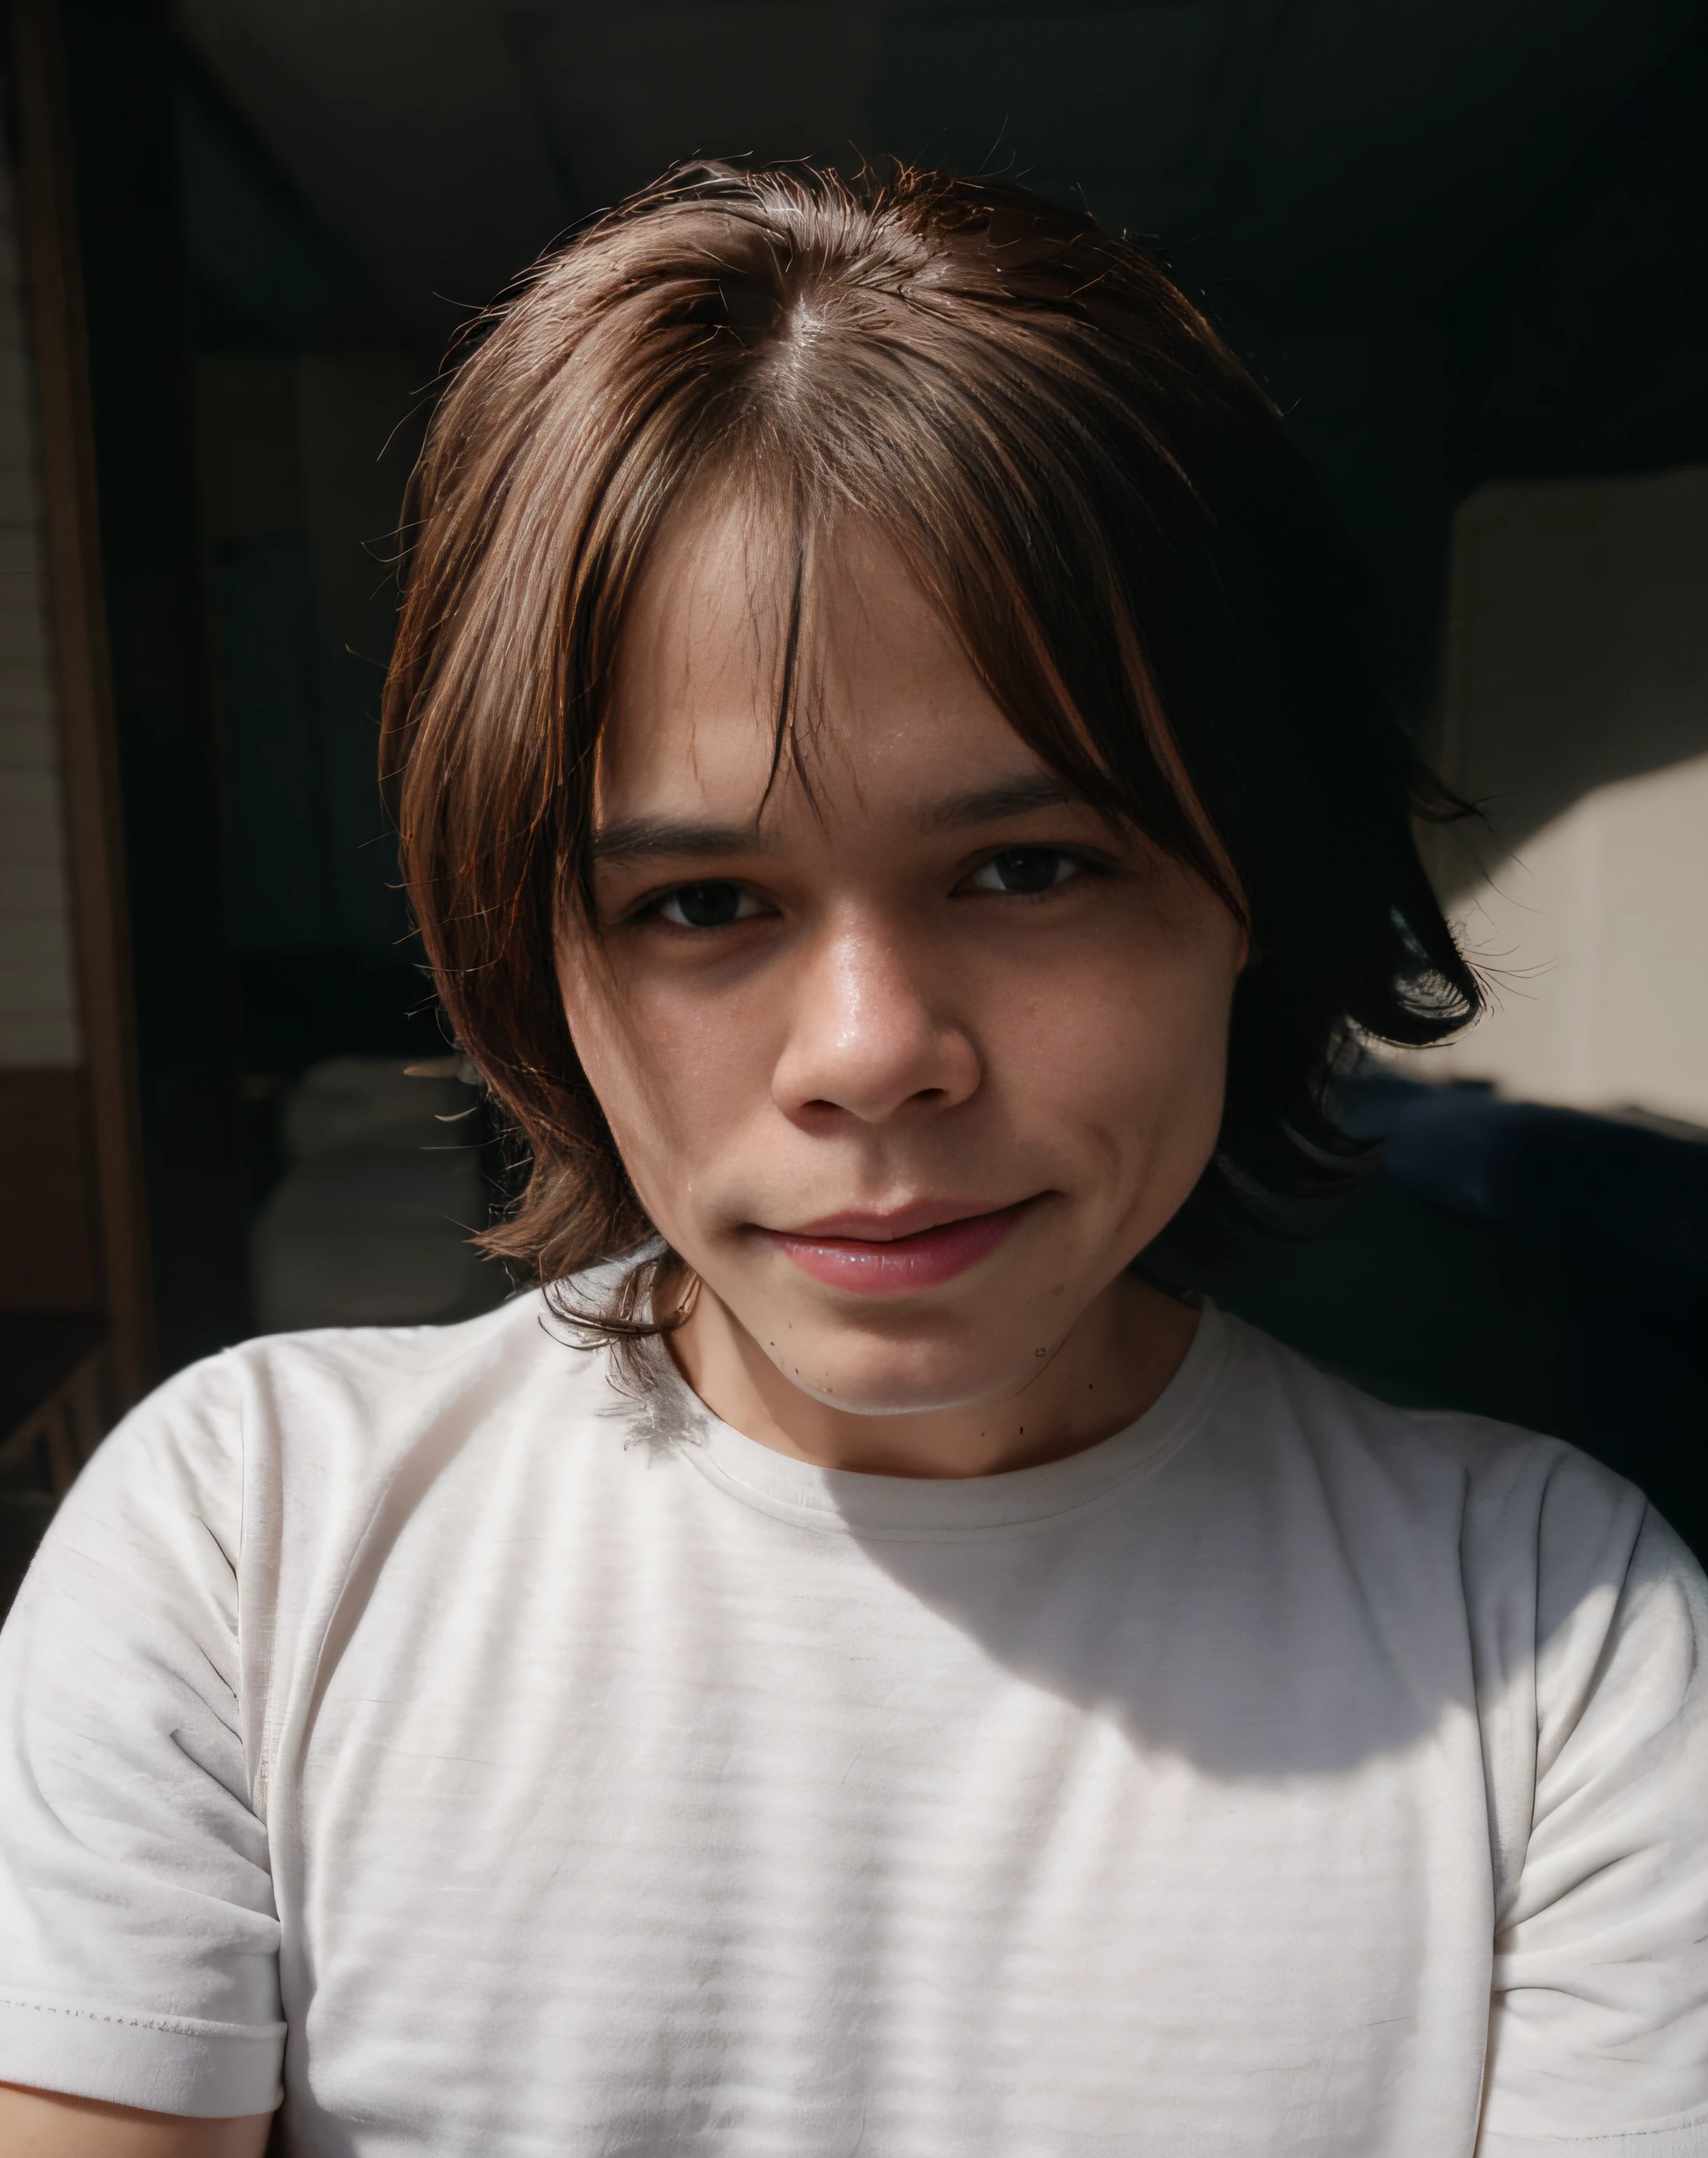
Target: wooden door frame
52, 275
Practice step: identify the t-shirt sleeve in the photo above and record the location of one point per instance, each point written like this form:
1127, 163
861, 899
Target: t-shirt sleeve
138, 1937
1598, 2039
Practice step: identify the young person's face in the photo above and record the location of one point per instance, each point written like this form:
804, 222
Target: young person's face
910, 1061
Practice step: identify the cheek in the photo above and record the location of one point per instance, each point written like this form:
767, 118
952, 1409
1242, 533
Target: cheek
614, 1055
668, 1063
1131, 1042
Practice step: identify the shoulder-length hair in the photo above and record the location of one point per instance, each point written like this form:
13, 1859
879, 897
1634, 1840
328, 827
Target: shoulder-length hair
1101, 502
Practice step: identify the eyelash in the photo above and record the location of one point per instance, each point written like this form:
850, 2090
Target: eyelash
1082, 865
652, 909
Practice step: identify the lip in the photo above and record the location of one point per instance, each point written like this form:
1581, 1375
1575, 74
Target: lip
916, 1248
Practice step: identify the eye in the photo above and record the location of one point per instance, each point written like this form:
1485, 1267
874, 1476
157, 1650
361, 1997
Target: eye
706, 905
1026, 870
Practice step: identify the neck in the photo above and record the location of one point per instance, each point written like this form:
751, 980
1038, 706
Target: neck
1112, 1367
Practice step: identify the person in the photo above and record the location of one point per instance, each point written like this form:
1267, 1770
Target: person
891, 784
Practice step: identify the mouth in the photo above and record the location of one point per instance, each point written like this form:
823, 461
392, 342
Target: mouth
915, 1248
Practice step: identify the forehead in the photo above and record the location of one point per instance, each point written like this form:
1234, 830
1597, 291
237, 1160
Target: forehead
886, 704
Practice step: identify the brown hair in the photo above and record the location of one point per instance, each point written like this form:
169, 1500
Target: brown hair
1095, 493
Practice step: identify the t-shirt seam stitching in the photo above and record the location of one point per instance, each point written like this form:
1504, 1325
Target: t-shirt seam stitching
1698, 2119
171, 2027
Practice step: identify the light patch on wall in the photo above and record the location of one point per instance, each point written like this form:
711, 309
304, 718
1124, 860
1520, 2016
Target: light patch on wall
1577, 720
1593, 939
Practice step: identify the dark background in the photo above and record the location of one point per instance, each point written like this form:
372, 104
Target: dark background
1461, 239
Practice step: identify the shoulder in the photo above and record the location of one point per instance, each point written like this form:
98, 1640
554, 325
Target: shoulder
1518, 1504
386, 1374
366, 1388
1564, 1586
319, 1421
231, 1510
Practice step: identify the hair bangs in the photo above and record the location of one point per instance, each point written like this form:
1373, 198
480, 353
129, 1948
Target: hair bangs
1094, 494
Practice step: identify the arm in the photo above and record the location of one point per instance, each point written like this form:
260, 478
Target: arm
138, 1937
44, 2125
1598, 2030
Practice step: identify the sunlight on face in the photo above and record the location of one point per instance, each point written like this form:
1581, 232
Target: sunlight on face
909, 1066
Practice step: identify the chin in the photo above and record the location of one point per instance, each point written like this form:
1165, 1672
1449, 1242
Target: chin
866, 1377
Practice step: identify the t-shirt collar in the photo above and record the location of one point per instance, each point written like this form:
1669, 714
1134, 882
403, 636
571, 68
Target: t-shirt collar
1017, 1501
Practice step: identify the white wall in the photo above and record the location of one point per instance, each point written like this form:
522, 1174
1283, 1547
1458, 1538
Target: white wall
1576, 715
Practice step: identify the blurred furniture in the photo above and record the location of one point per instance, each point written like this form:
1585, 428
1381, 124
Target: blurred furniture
387, 1182
1517, 1261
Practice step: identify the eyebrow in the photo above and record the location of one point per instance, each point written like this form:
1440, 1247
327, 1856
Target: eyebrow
649, 839
1008, 798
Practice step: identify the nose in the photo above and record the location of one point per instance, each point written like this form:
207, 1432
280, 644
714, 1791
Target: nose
867, 1035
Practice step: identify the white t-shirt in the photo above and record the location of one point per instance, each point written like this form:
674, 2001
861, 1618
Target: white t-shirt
539, 1770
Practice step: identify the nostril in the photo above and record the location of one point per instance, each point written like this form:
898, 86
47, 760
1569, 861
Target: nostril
864, 1055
